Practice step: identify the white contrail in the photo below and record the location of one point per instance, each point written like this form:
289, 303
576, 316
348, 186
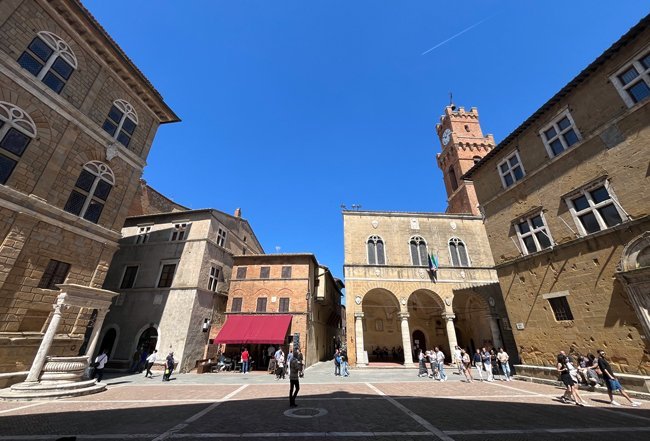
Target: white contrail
460, 33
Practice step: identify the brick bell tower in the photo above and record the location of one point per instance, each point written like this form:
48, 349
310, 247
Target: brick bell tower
463, 145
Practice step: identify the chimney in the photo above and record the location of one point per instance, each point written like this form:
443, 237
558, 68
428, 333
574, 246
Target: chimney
237, 212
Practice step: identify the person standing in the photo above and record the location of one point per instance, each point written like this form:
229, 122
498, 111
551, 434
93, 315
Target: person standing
440, 359
337, 363
135, 359
244, 360
422, 367
611, 382
169, 366
478, 363
294, 379
458, 359
487, 364
289, 358
302, 363
100, 362
504, 358
150, 361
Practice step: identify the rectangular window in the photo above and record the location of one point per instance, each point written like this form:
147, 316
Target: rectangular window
533, 234
213, 280
594, 209
265, 272
221, 237
167, 275
128, 280
143, 235
284, 304
286, 272
633, 81
241, 272
179, 232
261, 304
55, 273
236, 304
560, 134
511, 170
561, 308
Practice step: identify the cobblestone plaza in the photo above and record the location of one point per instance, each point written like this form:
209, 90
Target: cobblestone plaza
372, 404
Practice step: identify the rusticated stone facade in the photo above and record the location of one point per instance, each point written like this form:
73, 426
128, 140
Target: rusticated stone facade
65, 183
580, 282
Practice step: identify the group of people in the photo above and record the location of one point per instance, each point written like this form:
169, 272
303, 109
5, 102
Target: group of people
292, 364
341, 363
384, 354
490, 362
101, 360
589, 371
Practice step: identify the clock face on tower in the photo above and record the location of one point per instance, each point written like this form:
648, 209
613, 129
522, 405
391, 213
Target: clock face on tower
446, 137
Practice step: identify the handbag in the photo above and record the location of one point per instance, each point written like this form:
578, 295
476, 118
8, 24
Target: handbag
167, 371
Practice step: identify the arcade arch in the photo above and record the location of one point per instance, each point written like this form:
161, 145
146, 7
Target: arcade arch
473, 322
381, 326
427, 328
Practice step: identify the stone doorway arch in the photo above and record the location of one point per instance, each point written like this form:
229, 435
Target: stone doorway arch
148, 339
108, 342
634, 273
425, 311
473, 321
382, 339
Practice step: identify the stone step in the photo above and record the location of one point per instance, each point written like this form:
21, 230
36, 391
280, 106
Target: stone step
39, 391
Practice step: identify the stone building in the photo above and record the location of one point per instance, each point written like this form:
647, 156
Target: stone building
77, 120
275, 298
396, 303
566, 198
172, 273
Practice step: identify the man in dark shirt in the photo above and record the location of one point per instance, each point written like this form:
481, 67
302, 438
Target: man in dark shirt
610, 380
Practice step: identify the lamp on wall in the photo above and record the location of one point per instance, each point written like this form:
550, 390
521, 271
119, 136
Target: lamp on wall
206, 325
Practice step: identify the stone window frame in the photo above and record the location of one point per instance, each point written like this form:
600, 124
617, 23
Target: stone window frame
135, 277
144, 233
213, 278
179, 231
561, 134
60, 49
456, 241
265, 272
241, 272
418, 240
120, 133
286, 272
559, 305
236, 301
13, 118
594, 207
453, 180
532, 232
261, 304
54, 273
510, 170
643, 76
283, 304
375, 239
163, 264
222, 234
102, 174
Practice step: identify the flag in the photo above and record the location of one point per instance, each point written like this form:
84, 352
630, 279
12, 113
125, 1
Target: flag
433, 262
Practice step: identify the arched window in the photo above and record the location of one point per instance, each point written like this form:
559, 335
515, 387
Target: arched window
91, 191
458, 252
49, 59
121, 122
452, 179
418, 247
16, 131
376, 251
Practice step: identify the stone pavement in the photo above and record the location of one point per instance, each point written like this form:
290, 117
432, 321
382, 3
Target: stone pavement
386, 404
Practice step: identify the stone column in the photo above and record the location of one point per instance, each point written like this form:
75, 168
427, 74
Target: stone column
48, 338
496, 334
94, 336
451, 333
406, 339
362, 360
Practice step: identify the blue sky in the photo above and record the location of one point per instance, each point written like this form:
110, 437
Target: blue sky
292, 108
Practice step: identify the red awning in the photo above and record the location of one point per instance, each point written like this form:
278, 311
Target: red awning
254, 329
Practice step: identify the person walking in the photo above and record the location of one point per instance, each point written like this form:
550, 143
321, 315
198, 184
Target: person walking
150, 362
294, 379
477, 361
279, 370
288, 364
100, 362
244, 360
458, 359
487, 364
337, 363
440, 359
422, 367
611, 382
169, 367
466, 365
135, 359
301, 359
568, 380
344, 366
504, 358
